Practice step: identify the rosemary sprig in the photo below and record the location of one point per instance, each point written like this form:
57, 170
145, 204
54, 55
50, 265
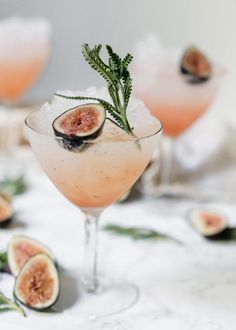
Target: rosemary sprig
8, 305
119, 82
12, 186
137, 233
3, 261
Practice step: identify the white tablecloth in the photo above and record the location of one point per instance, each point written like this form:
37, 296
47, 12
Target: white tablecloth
182, 287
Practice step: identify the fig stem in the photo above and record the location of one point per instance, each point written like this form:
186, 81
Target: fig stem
90, 258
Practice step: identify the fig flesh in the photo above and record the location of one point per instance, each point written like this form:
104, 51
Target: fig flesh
20, 249
6, 213
209, 223
37, 284
195, 65
79, 124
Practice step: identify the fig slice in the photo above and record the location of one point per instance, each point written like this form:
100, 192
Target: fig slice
84, 122
195, 65
20, 249
208, 223
6, 213
37, 284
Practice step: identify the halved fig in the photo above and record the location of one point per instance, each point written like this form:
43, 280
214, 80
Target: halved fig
20, 249
79, 124
210, 224
6, 212
37, 284
195, 65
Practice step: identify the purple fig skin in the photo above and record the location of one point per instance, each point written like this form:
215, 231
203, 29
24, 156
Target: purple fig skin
6, 270
222, 235
195, 72
4, 224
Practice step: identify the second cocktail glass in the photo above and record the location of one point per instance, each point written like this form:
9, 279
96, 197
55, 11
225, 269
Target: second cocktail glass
178, 104
24, 51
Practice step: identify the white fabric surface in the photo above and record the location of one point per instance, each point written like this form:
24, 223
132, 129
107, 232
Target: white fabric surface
183, 287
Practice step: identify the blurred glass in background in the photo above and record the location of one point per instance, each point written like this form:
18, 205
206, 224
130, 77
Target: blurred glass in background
24, 50
176, 98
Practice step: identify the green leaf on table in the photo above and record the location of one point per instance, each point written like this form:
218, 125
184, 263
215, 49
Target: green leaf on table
7, 304
13, 186
3, 260
137, 233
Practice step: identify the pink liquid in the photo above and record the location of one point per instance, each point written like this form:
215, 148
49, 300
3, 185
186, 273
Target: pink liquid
173, 100
177, 118
100, 174
98, 187
17, 75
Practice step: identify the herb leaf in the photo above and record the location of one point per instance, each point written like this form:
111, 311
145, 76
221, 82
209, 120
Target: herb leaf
3, 260
105, 104
8, 305
137, 233
118, 79
13, 186
94, 60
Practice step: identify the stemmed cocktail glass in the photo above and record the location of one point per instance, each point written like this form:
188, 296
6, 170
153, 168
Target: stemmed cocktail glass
24, 50
177, 102
92, 178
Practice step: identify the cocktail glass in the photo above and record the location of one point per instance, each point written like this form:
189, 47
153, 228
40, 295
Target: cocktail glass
178, 104
92, 179
24, 50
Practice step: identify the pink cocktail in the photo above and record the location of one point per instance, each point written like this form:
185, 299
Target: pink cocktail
170, 95
18, 74
93, 176
176, 102
24, 50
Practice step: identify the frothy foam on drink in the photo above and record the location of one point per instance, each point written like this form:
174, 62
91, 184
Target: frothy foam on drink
138, 115
152, 58
21, 37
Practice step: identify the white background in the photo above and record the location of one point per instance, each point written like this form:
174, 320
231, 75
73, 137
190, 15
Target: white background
211, 24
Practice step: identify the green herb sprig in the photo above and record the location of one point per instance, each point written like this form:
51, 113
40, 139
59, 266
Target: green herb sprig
12, 186
117, 76
3, 261
8, 305
137, 233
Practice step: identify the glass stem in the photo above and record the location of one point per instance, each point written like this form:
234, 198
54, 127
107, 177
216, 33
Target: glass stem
166, 170
90, 257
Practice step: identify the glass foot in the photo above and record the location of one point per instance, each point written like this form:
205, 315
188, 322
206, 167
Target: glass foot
111, 297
